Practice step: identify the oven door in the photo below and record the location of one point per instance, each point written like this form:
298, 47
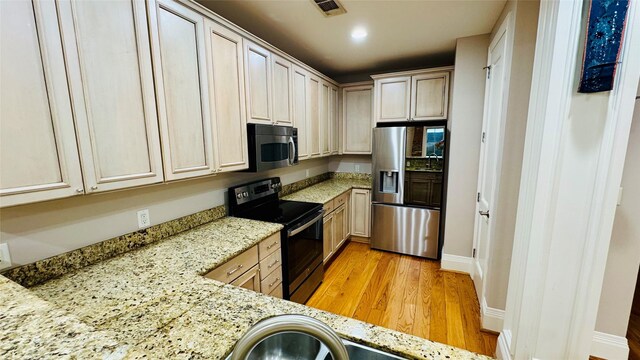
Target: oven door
304, 251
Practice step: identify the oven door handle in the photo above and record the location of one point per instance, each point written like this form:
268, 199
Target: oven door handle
292, 151
305, 226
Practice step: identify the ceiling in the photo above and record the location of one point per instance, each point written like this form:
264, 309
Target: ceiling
402, 34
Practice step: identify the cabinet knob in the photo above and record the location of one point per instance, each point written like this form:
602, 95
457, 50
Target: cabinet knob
94, 187
79, 190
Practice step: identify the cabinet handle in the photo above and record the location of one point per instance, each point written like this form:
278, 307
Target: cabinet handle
79, 190
274, 282
229, 273
94, 187
272, 245
274, 264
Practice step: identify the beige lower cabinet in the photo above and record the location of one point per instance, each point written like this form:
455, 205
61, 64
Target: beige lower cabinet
336, 226
258, 269
361, 212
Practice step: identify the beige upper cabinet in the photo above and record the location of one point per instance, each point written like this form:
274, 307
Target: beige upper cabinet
412, 96
393, 99
258, 83
282, 90
300, 120
178, 48
429, 96
357, 119
227, 94
38, 150
334, 120
313, 118
325, 123
111, 83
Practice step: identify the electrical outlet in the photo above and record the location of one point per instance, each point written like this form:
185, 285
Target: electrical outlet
5, 256
306, 173
357, 168
144, 221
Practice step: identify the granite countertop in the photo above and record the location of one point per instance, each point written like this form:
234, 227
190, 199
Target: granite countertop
327, 190
154, 303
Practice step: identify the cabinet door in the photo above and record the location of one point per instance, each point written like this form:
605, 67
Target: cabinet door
178, 46
393, 99
111, 83
258, 83
339, 234
249, 280
361, 212
313, 117
420, 188
325, 124
357, 118
333, 120
226, 90
347, 214
300, 121
430, 96
38, 149
436, 191
282, 90
327, 237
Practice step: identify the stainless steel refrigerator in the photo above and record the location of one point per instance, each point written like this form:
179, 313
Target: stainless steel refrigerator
408, 188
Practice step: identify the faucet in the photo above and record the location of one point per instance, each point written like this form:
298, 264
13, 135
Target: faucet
429, 157
290, 323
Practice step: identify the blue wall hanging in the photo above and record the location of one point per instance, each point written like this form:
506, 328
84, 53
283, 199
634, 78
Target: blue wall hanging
605, 31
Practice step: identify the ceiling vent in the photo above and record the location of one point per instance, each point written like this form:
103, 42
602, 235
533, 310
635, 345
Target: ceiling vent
329, 7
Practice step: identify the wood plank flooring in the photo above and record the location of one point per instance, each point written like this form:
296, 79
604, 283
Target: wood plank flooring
404, 293
633, 336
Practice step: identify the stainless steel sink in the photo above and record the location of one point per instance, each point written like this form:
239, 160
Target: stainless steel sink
302, 338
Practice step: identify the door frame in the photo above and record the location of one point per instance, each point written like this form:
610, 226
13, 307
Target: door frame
504, 30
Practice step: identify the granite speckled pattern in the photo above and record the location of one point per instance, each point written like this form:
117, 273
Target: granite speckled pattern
351, 176
327, 190
153, 303
32, 328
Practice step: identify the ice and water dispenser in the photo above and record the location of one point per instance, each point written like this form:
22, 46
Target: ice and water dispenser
389, 182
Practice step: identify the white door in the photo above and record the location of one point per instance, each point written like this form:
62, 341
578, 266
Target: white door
178, 48
489, 158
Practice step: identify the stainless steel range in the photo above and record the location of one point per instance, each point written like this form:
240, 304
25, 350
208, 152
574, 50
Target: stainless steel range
301, 237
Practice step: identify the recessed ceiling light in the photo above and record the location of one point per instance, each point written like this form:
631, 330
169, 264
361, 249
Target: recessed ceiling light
359, 33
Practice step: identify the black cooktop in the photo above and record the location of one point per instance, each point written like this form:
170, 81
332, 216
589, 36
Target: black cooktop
282, 212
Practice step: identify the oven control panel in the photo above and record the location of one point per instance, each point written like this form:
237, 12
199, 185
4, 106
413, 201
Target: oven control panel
243, 194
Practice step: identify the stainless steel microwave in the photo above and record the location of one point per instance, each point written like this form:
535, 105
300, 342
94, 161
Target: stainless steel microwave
271, 146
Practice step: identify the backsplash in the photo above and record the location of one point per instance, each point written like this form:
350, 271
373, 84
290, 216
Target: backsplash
41, 271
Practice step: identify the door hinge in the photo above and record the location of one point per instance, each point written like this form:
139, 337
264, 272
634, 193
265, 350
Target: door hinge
488, 71
473, 255
478, 198
484, 136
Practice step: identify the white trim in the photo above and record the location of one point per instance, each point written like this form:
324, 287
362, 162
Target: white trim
492, 318
502, 349
457, 263
609, 346
410, 72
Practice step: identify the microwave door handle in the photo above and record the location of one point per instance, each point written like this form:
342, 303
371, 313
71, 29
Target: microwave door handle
305, 226
292, 151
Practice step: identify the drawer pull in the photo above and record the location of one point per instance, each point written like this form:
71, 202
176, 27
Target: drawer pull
272, 245
274, 282
229, 273
274, 264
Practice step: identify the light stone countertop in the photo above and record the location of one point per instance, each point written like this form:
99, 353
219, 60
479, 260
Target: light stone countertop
153, 303
327, 190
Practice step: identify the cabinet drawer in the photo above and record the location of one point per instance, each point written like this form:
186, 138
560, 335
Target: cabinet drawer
235, 267
271, 281
340, 200
328, 206
277, 292
270, 263
269, 245
250, 280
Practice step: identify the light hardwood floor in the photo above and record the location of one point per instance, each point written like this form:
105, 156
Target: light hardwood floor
404, 293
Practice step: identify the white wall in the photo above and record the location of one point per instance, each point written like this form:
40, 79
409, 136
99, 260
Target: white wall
351, 164
624, 251
42, 230
465, 126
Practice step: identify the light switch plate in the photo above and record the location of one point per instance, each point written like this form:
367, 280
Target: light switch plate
620, 196
5, 256
144, 221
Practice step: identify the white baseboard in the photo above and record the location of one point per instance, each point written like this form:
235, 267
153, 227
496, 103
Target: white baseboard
457, 263
492, 319
611, 347
502, 349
